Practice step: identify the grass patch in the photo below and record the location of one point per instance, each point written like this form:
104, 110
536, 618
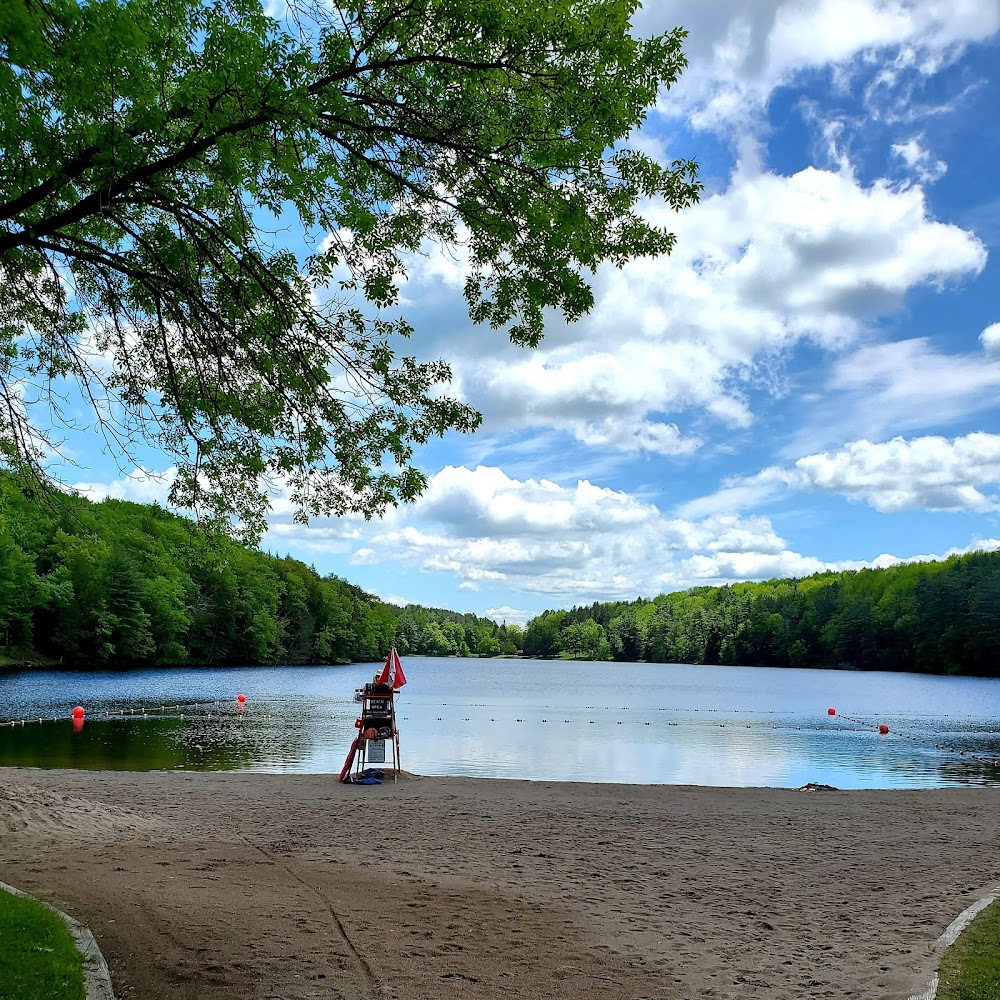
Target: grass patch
38, 958
14, 657
970, 969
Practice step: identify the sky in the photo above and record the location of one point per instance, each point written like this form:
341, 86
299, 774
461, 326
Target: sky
810, 381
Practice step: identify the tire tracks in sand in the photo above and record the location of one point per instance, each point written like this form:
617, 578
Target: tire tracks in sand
367, 970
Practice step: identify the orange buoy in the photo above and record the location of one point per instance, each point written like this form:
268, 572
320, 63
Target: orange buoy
241, 698
78, 712
883, 729
831, 711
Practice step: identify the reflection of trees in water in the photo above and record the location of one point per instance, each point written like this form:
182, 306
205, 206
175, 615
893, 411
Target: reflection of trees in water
313, 733
980, 769
283, 734
965, 771
952, 766
151, 744
960, 751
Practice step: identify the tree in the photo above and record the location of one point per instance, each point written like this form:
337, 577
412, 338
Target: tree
17, 586
542, 636
124, 621
586, 640
147, 145
625, 636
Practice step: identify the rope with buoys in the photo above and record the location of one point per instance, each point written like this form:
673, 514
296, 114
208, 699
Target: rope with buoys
78, 714
883, 730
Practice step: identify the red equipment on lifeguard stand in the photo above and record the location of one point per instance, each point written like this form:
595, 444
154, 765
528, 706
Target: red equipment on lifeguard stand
377, 722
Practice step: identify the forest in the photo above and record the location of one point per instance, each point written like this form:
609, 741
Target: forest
925, 617
124, 584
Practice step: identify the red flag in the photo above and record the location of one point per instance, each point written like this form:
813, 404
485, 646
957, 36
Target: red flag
392, 673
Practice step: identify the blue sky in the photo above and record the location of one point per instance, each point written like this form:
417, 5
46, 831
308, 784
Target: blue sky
810, 381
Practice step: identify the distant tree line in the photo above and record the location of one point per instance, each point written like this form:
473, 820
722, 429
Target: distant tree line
436, 632
931, 617
125, 584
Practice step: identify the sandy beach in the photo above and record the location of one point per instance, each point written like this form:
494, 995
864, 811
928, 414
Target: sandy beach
219, 886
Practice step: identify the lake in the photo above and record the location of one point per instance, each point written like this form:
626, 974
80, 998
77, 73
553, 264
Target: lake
551, 720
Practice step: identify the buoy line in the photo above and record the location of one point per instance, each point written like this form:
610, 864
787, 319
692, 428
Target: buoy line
78, 715
141, 711
884, 730
881, 728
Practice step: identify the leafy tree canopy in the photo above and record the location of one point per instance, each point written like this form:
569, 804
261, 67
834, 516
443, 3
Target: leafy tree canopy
142, 143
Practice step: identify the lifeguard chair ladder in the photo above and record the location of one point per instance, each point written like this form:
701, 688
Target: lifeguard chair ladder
378, 712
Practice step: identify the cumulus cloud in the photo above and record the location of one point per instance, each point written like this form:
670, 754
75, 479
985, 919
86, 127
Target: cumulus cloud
561, 545
535, 537
931, 472
676, 347
512, 616
771, 262
927, 473
139, 486
990, 339
741, 53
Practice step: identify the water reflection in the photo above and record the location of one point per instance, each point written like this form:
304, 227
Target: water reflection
110, 744
523, 719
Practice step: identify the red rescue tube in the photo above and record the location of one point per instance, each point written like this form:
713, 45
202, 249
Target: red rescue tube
350, 760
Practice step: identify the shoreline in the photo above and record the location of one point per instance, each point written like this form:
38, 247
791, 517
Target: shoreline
38, 663
220, 885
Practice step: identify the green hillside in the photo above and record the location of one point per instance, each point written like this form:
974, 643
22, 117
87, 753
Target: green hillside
929, 617
124, 584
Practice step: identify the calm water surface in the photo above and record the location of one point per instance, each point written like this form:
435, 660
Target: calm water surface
637, 723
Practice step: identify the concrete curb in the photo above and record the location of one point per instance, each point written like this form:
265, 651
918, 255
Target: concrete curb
96, 977
950, 936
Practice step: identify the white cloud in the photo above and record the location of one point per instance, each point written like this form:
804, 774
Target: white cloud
919, 160
990, 339
512, 616
729, 566
740, 53
486, 501
927, 473
769, 263
396, 599
139, 486
720, 570
571, 544
931, 472
565, 545
757, 269
906, 385
585, 542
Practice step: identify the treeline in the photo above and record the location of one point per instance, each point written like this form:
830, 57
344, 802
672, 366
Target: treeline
125, 584
437, 632
934, 617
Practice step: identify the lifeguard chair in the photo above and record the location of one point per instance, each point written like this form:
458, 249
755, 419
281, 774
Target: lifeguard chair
376, 724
